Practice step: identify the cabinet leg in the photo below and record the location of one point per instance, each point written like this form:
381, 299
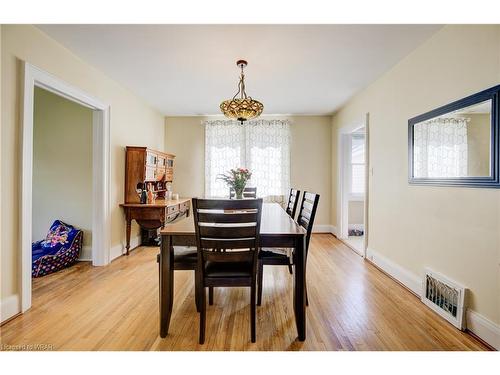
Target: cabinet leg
129, 225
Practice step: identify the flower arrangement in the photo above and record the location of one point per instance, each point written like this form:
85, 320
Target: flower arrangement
236, 179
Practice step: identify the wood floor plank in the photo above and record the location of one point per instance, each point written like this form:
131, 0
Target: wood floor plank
353, 306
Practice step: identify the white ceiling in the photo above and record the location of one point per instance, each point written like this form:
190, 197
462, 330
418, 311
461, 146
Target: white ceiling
292, 69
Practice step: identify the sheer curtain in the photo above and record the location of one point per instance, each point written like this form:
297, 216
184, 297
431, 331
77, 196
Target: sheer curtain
263, 146
440, 148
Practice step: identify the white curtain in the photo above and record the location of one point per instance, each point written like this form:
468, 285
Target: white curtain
262, 146
440, 148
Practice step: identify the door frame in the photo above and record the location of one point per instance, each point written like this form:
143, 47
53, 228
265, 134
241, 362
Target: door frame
101, 223
342, 199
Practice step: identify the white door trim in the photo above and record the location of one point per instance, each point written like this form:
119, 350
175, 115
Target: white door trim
342, 209
34, 76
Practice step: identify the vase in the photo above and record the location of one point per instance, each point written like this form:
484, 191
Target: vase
239, 193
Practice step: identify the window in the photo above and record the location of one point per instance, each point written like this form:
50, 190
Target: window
263, 146
357, 165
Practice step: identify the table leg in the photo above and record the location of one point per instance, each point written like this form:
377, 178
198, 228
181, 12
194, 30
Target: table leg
166, 284
129, 226
299, 295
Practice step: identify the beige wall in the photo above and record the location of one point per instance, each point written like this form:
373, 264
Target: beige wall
62, 164
356, 212
310, 156
133, 122
455, 231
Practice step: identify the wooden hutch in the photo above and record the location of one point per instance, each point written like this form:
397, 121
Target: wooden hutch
155, 169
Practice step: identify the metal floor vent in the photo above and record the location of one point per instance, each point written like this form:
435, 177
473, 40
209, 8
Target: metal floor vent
444, 297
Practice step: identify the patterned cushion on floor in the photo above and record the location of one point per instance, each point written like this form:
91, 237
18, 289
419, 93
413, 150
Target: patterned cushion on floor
59, 250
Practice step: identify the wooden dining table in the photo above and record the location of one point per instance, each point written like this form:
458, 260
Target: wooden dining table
277, 229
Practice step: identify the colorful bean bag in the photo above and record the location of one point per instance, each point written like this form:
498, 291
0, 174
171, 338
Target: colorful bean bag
58, 250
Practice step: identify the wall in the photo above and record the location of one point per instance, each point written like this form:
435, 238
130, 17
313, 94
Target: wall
356, 212
132, 122
62, 164
455, 231
310, 156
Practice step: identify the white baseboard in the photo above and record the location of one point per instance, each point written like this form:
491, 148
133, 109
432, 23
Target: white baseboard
85, 254
483, 328
405, 277
324, 228
119, 250
476, 323
9, 307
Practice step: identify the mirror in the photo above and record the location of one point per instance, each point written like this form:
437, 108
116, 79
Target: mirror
457, 144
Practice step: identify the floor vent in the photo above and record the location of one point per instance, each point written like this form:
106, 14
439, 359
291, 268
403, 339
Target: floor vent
444, 297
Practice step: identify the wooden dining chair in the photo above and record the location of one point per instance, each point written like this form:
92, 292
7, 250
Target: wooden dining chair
227, 237
185, 258
293, 199
281, 257
248, 192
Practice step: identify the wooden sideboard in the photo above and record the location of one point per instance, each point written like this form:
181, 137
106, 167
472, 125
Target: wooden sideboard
147, 167
154, 215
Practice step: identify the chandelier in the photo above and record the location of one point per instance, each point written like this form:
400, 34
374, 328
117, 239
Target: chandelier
242, 108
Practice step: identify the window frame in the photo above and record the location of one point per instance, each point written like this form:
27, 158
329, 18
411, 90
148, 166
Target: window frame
355, 196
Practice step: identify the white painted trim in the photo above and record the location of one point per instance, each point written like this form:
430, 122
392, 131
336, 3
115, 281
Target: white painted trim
101, 224
483, 328
101, 220
9, 307
342, 213
367, 184
119, 250
342, 191
405, 277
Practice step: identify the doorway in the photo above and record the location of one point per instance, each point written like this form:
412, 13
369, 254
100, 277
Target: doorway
37, 78
62, 168
353, 186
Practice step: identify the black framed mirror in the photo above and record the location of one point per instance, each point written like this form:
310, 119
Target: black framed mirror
457, 144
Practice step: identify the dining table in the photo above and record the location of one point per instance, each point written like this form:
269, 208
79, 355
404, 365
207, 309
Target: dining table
277, 230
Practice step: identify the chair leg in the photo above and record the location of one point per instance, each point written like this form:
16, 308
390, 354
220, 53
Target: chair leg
210, 295
203, 313
252, 312
197, 291
260, 277
290, 269
307, 299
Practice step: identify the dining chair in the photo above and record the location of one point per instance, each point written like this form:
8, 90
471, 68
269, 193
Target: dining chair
281, 257
185, 258
248, 192
227, 237
293, 199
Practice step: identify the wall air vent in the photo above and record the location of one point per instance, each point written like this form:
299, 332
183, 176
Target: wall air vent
444, 297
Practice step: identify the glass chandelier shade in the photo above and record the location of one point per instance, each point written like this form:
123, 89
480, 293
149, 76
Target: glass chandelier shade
241, 107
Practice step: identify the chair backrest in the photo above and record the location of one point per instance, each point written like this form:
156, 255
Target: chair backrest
227, 230
293, 200
248, 192
307, 213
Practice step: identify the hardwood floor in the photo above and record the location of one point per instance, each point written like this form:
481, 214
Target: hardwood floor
352, 306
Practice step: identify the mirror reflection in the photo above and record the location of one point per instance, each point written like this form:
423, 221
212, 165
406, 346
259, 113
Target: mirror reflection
456, 144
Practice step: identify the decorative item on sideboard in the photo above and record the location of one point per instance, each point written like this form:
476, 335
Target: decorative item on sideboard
149, 168
148, 193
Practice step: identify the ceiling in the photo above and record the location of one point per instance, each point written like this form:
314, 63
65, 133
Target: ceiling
292, 69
